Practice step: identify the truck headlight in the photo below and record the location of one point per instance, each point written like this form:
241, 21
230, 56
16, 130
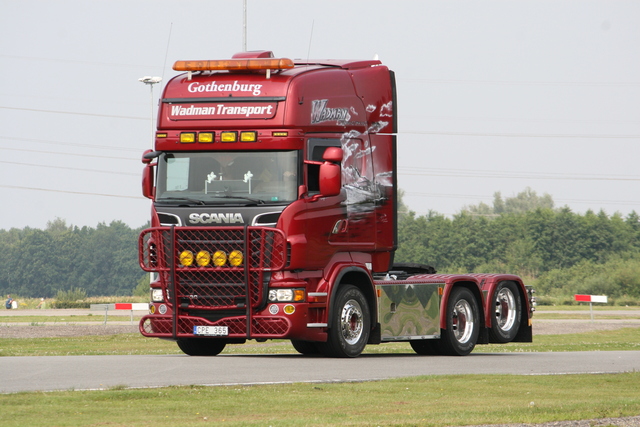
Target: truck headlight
156, 295
286, 295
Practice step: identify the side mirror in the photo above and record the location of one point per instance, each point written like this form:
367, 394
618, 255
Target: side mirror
147, 174
149, 155
330, 174
147, 181
333, 154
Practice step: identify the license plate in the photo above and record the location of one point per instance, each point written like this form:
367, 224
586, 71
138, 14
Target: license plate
211, 331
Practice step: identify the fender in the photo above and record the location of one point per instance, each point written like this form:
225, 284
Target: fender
455, 280
336, 274
488, 284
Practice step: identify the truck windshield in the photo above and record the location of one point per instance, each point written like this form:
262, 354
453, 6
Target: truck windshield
227, 177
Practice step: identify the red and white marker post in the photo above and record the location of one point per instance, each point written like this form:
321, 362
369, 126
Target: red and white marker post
136, 306
591, 299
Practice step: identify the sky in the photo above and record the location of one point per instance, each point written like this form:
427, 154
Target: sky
492, 95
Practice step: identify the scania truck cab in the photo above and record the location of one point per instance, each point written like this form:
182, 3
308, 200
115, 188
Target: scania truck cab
274, 199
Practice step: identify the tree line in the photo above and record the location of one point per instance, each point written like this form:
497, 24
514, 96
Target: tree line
39, 263
558, 251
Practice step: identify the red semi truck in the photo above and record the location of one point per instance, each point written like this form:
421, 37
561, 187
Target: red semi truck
274, 216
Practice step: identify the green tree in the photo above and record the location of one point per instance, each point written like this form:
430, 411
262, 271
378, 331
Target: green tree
525, 201
403, 209
535, 243
112, 267
40, 263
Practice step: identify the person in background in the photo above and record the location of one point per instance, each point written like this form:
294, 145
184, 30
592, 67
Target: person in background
9, 302
41, 304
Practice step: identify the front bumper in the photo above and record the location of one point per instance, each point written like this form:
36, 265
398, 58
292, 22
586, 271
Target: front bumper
271, 323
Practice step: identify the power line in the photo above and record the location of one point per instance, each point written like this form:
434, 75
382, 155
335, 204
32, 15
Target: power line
558, 202
448, 196
518, 83
476, 197
74, 113
463, 173
70, 192
71, 144
518, 135
68, 168
68, 154
519, 120
411, 80
520, 177
604, 202
76, 61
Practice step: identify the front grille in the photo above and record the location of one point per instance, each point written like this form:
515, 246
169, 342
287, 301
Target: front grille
211, 287
214, 316
219, 289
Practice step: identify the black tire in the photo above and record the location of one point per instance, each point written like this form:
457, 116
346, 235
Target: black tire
426, 347
351, 324
506, 313
201, 346
463, 323
305, 347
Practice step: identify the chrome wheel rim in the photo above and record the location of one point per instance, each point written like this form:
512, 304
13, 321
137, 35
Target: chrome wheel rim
351, 322
463, 321
505, 313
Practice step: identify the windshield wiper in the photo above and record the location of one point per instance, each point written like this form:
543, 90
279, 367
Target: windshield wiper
183, 199
228, 196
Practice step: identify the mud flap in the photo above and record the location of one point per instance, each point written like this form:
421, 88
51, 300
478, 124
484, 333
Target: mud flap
375, 337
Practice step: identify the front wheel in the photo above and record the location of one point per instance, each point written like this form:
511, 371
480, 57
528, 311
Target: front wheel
201, 346
506, 313
351, 324
463, 323
305, 347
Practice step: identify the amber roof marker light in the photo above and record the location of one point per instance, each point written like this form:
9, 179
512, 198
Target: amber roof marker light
235, 64
245, 64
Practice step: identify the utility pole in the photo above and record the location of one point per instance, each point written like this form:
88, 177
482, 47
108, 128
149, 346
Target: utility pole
244, 25
148, 80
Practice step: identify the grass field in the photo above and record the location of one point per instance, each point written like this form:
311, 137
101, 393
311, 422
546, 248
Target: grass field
454, 400
63, 319
620, 339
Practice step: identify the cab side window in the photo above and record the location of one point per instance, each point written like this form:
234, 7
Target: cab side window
315, 151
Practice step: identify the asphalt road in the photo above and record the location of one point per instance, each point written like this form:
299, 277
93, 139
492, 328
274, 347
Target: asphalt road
43, 373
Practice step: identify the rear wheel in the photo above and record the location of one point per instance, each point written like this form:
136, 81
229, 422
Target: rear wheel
425, 347
351, 324
506, 313
201, 346
463, 323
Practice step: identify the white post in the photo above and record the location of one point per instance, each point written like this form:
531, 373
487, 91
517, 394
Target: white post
591, 299
152, 127
148, 80
244, 25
